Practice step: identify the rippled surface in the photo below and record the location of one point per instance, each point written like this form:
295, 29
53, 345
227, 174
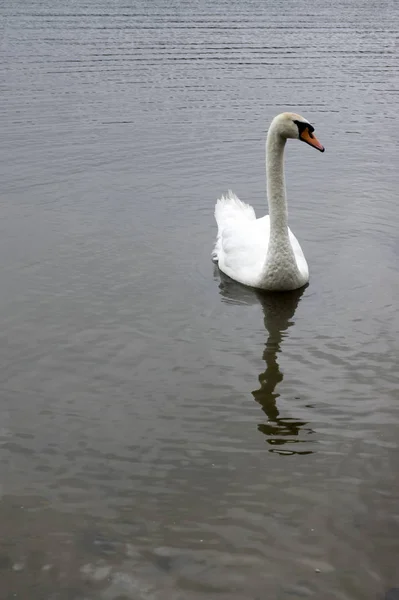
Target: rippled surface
165, 434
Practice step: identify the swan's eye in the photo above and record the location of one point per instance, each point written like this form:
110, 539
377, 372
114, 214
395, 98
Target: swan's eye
303, 126
305, 133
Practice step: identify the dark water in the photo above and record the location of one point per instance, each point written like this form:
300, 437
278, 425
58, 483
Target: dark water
166, 435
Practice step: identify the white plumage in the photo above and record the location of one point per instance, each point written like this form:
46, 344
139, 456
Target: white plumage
264, 253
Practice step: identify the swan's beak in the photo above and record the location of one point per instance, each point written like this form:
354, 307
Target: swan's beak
311, 139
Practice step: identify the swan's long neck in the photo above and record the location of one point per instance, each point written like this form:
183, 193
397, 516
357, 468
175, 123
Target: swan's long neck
276, 196
280, 266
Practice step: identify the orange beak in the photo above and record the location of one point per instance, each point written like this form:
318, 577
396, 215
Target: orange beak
311, 139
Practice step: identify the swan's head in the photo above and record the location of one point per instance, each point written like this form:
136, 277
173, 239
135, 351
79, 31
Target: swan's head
291, 125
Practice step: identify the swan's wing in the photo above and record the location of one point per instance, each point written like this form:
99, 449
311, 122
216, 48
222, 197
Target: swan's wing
242, 241
229, 213
229, 209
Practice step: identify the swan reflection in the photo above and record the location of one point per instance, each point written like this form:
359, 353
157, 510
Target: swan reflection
278, 310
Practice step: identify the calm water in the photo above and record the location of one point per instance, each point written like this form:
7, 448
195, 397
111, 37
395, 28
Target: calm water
165, 434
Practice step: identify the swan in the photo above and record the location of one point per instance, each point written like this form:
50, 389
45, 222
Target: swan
264, 253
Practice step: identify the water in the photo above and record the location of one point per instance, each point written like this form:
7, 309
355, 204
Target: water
166, 434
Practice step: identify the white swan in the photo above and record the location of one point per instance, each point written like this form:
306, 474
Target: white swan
264, 253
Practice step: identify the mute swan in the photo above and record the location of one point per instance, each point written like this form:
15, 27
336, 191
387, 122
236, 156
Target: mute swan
264, 253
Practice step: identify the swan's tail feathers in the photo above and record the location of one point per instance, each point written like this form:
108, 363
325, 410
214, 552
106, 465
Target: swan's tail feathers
228, 210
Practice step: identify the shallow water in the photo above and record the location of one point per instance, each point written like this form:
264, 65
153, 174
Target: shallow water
165, 433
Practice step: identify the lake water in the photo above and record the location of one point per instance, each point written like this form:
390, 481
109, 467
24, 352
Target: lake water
165, 434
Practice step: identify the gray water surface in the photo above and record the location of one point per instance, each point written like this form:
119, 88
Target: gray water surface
166, 434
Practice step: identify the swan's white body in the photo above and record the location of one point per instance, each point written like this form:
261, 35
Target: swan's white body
242, 244
263, 253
